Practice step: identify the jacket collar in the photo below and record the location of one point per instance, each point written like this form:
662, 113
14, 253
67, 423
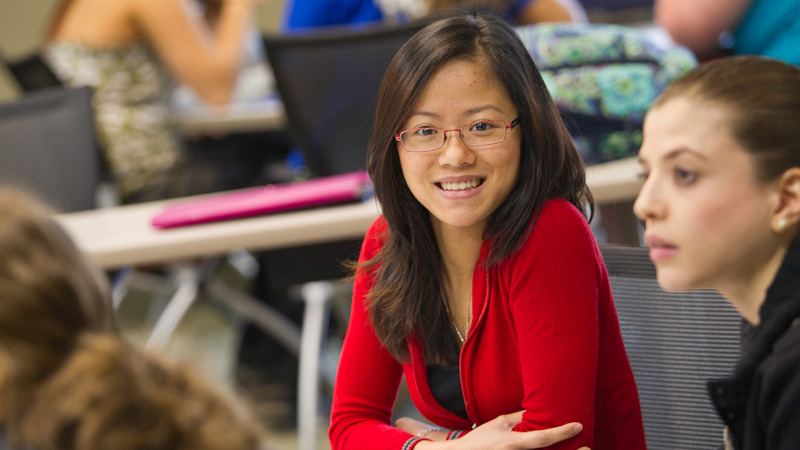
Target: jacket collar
780, 308
785, 288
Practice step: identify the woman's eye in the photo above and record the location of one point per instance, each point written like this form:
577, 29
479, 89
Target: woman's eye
426, 131
643, 175
684, 176
480, 126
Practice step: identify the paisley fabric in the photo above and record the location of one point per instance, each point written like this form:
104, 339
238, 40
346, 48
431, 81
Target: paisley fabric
131, 102
604, 78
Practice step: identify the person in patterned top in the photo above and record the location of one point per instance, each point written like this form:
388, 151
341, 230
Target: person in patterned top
131, 52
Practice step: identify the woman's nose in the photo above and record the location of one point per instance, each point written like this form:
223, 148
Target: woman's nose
455, 152
648, 204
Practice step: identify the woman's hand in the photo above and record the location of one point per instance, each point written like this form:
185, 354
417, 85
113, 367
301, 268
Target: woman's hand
497, 434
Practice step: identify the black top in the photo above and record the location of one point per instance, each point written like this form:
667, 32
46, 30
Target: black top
445, 383
760, 403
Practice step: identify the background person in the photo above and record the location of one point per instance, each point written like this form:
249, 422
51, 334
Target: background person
713, 28
131, 52
721, 205
306, 14
482, 282
68, 381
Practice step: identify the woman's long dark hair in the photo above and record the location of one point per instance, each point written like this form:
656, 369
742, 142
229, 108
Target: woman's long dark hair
407, 297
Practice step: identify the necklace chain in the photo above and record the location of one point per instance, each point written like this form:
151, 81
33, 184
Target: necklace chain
453, 320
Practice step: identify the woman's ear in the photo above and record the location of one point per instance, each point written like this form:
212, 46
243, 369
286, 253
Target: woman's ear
788, 213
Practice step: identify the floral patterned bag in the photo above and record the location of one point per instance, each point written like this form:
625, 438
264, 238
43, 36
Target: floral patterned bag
604, 78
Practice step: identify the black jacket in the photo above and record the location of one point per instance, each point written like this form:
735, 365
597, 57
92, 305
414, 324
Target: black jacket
760, 403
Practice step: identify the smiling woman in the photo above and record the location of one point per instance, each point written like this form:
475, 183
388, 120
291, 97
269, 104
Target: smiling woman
462, 185
482, 282
721, 205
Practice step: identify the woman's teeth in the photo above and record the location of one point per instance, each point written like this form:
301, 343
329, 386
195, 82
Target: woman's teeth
459, 185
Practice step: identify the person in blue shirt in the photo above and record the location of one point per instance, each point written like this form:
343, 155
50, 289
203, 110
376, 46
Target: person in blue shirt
742, 27
305, 14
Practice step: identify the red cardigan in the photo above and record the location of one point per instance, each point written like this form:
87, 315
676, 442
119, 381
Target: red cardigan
544, 338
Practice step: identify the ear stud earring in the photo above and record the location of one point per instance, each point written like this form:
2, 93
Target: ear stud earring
781, 224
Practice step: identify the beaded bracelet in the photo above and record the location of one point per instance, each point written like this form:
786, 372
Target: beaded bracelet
423, 433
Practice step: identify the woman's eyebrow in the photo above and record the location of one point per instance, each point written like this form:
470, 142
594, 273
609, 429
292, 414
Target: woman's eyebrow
684, 150
432, 115
481, 109
468, 112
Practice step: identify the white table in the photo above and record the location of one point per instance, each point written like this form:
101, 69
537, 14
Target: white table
115, 237
121, 236
615, 180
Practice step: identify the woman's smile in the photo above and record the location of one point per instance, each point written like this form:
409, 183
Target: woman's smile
462, 185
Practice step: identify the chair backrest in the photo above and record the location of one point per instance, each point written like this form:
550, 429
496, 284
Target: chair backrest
675, 343
329, 82
33, 73
48, 146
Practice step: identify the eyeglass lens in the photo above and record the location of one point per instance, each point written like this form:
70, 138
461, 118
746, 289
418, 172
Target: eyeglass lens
473, 134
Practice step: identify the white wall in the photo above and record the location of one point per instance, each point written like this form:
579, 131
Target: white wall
22, 24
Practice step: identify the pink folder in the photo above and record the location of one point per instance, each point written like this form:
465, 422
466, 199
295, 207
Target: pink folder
266, 199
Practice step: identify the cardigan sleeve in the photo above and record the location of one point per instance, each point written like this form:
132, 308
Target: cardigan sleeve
554, 290
368, 377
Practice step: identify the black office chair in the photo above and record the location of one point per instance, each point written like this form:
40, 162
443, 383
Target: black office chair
675, 343
329, 82
47, 146
33, 73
